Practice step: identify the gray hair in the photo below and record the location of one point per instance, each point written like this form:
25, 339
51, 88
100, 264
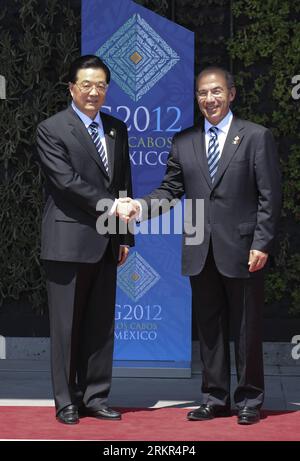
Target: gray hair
217, 70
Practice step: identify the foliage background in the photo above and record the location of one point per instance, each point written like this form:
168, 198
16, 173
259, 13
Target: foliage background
259, 40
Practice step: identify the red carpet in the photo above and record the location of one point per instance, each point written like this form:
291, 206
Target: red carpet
168, 424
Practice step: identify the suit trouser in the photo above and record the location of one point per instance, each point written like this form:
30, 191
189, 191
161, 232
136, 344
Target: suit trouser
216, 300
81, 299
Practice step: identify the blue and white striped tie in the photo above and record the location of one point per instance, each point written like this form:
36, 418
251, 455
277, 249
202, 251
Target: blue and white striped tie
213, 154
93, 130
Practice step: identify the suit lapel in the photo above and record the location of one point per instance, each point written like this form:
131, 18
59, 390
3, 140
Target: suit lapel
110, 138
82, 135
200, 153
232, 143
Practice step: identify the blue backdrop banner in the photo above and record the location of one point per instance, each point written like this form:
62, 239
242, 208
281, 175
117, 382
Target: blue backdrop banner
152, 64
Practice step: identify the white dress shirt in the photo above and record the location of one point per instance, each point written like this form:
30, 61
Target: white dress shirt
87, 121
223, 128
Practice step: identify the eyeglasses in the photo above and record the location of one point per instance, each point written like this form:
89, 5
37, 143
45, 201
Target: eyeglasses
86, 87
215, 93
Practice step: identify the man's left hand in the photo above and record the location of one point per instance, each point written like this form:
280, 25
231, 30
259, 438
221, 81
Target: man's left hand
123, 255
257, 260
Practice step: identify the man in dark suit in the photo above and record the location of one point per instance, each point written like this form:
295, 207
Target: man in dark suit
232, 165
84, 156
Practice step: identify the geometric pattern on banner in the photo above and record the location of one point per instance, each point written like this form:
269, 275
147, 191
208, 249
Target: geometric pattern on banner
136, 277
137, 57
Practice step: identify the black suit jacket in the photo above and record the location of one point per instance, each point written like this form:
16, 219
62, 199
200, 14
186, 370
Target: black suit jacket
241, 207
75, 180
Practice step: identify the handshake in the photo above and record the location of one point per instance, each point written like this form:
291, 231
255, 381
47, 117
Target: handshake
128, 209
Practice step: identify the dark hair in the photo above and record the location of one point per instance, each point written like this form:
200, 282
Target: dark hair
86, 62
219, 70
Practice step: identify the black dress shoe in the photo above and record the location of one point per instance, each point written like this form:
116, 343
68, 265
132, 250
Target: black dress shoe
68, 415
248, 415
102, 413
205, 412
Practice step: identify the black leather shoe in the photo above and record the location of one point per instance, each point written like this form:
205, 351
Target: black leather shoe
102, 413
205, 412
248, 415
68, 415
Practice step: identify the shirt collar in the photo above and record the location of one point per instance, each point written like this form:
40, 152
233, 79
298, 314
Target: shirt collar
85, 119
224, 124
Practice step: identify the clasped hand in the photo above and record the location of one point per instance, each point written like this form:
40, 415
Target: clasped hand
127, 209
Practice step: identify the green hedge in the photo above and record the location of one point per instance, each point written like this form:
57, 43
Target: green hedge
265, 50
38, 40
258, 39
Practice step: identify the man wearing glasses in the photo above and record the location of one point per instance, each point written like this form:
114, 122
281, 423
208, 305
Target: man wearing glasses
84, 157
232, 165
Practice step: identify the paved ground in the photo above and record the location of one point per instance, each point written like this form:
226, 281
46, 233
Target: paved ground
28, 382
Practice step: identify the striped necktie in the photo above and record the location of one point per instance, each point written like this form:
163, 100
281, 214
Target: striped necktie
93, 130
213, 154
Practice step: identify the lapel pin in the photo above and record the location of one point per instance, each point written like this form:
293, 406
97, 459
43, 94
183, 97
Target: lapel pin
112, 133
236, 140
